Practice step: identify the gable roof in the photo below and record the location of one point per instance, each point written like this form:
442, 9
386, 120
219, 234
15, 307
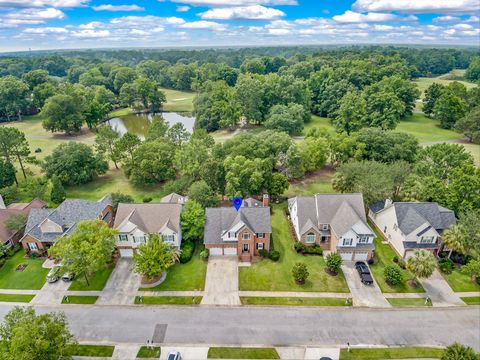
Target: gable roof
174, 198
251, 202
219, 220
16, 209
411, 215
67, 215
151, 217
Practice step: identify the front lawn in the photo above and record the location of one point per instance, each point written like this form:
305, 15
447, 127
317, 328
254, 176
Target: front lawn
461, 282
391, 353
31, 278
16, 298
242, 353
184, 277
97, 281
471, 300
408, 302
384, 254
267, 275
76, 299
293, 301
92, 350
146, 352
168, 300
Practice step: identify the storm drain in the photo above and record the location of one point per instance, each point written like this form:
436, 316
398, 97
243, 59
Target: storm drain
159, 333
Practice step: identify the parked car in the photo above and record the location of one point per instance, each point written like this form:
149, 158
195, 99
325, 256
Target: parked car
364, 273
67, 277
174, 355
54, 274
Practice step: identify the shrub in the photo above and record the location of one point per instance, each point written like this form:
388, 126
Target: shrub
402, 264
299, 247
204, 254
187, 251
393, 274
334, 261
2, 262
118, 197
446, 266
315, 249
274, 255
395, 259
263, 253
147, 199
458, 351
300, 273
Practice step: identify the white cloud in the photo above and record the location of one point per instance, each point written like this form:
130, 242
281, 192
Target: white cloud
354, 17
253, 12
443, 19
183, 8
203, 25
473, 19
36, 14
236, 2
462, 26
278, 32
15, 4
91, 25
46, 30
91, 34
418, 6
108, 7
450, 31
383, 27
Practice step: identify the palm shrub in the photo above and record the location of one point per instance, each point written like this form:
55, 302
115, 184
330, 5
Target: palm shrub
422, 264
453, 239
393, 274
300, 273
334, 261
458, 351
473, 269
154, 257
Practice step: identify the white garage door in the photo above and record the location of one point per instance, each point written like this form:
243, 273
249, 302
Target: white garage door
216, 251
230, 251
126, 252
361, 256
347, 256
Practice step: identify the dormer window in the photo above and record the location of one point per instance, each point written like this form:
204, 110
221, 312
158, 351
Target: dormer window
347, 242
363, 239
325, 227
427, 239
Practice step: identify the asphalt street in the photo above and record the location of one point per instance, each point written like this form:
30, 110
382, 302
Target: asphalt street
279, 326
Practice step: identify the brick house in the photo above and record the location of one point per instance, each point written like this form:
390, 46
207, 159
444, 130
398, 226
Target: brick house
44, 226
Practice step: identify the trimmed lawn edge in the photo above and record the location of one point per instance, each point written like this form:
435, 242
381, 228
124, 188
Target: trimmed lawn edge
152, 352
293, 301
79, 299
16, 298
168, 300
242, 353
93, 350
391, 353
409, 302
471, 300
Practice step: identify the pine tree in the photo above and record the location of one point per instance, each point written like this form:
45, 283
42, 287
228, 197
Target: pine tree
58, 193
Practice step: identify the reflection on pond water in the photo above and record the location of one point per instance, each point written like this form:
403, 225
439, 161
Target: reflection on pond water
138, 124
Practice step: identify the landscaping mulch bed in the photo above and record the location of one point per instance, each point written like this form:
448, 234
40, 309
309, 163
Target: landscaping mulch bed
330, 272
21, 267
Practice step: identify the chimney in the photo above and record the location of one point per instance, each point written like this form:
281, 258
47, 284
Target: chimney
2, 204
388, 202
265, 200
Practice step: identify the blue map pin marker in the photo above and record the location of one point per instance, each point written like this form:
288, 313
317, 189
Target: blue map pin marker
237, 202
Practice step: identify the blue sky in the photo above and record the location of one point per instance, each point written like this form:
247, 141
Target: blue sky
58, 24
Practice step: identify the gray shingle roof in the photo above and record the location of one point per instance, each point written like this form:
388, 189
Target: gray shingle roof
150, 218
67, 215
221, 219
411, 215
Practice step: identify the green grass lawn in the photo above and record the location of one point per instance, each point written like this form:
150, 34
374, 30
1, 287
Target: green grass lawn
242, 353
461, 282
409, 302
267, 275
424, 82
78, 299
471, 300
97, 280
385, 254
426, 129
293, 301
169, 300
146, 352
16, 298
178, 101
92, 350
474, 149
316, 182
317, 122
31, 278
184, 277
391, 353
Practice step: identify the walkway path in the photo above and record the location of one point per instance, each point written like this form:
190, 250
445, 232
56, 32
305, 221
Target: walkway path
439, 291
125, 352
221, 283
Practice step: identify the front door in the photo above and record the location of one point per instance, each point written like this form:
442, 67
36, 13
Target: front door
245, 247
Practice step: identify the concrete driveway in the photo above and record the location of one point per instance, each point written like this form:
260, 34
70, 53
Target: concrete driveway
51, 294
221, 283
122, 286
439, 291
363, 295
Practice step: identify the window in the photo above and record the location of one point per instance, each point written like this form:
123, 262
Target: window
260, 235
363, 239
427, 239
259, 246
107, 217
139, 239
395, 227
123, 237
347, 242
32, 246
385, 229
310, 238
325, 227
168, 238
324, 238
246, 236
231, 235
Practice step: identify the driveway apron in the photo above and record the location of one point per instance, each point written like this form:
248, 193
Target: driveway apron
122, 285
363, 295
439, 291
221, 284
51, 294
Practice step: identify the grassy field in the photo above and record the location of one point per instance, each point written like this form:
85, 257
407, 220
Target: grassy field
385, 254
461, 282
242, 353
424, 82
267, 275
16, 298
146, 352
409, 302
76, 299
168, 300
391, 353
93, 350
426, 129
184, 277
317, 182
471, 300
31, 278
318, 122
97, 281
293, 301
178, 101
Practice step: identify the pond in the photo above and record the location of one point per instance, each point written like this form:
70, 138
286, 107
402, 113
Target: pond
138, 124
